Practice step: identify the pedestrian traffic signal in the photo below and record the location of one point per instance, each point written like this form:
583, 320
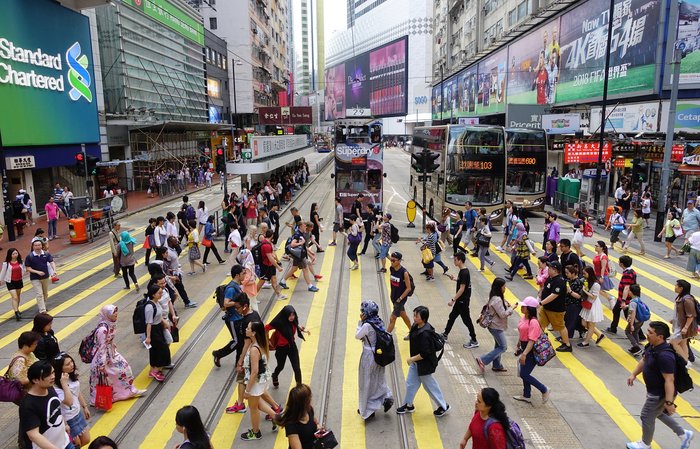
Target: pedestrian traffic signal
92, 165
80, 164
220, 159
639, 171
424, 162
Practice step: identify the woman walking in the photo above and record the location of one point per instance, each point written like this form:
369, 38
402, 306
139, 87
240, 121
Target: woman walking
671, 228
193, 252
160, 233
499, 310
158, 349
23, 358
593, 314
317, 228
234, 242
149, 241
73, 405
286, 327
208, 242
354, 239
202, 215
601, 268
188, 422
47, 348
522, 253
298, 418
257, 373
529, 331
635, 231
429, 241
488, 426
374, 392
127, 259
579, 237
108, 362
13, 271
685, 320
483, 243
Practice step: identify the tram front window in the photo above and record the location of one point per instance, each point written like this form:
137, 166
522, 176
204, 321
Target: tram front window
374, 180
480, 190
524, 182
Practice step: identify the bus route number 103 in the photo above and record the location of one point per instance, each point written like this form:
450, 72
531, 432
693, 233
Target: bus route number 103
475, 165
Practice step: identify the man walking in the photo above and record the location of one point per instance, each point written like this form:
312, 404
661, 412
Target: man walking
37, 263
231, 314
658, 368
460, 301
337, 220
690, 220
52, 213
422, 364
554, 305
400, 281
58, 197
470, 216
569, 257
628, 277
269, 265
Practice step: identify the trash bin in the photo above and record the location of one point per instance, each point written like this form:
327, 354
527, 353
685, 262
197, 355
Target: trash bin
77, 230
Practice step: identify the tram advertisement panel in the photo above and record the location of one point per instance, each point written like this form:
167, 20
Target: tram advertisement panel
359, 168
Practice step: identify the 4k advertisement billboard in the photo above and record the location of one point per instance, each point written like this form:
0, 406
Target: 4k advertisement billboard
371, 84
688, 20
47, 81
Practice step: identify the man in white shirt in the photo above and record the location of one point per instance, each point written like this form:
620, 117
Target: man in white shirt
619, 193
694, 257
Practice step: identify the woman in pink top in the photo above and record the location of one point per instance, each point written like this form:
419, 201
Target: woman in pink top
51, 209
487, 428
529, 331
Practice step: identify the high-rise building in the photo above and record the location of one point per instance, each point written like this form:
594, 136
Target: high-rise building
256, 33
308, 69
358, 8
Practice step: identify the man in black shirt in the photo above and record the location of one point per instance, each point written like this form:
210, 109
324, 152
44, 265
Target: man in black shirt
569, 257
400, 290
183, 224
460, 301
369, 219
357, 206
553, 302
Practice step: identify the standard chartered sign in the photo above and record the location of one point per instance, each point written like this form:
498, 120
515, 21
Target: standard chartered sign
46, 76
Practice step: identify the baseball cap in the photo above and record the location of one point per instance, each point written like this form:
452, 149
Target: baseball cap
690, 202
397, 255
555, 265
530, 301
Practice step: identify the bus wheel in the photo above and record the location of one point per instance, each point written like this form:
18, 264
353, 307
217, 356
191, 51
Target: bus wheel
431, 211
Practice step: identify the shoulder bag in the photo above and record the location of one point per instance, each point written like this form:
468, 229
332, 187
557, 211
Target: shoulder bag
11, 390
486, 317
543, 350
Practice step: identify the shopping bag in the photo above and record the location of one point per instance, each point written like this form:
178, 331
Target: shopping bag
206, 242
103, 395
426, 254
678, 232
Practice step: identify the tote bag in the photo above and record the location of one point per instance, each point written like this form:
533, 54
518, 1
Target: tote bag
543, 350
426, 254
103, 395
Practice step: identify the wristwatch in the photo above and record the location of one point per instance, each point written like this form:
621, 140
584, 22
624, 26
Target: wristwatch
669, 403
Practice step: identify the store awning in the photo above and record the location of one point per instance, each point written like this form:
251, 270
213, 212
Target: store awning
687, 169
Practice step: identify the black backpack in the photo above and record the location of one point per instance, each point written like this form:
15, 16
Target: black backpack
384, 350
681, 379
190, 213
219, 294
394, 234
138, 319
438, 343
412, 286
257, 254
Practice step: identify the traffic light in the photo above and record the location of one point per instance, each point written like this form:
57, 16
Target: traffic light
430, 162
80, 164
425, 161
417, 162
220, 159
639, 171
92, 165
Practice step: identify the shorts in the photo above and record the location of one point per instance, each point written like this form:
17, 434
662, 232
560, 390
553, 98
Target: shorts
671, 239
398, 308
267, 272
299, 263
258, 389
77, 424
15, 285
547, 317
337, 227
384, 251
646, 216
428, 265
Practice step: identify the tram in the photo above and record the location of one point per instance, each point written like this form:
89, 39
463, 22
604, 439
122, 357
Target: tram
526, 167
359, 162
472, 167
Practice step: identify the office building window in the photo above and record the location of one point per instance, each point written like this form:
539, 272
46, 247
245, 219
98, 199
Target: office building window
212, 23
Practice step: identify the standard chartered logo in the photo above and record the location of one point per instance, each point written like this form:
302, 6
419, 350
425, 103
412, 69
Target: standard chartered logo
14, 71
78, 76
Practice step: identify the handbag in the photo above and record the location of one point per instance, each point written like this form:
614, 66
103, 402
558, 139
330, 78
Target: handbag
586, 304
206, 242
543, 350
486, 317
482, 240
273, 341
103, 394
441, 228
352, 238
325, 440
678, 232
175, 333
426, 255
194, 253
295, 251
11, 390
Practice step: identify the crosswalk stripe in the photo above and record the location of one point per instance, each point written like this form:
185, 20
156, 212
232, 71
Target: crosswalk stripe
425, 428
619, 355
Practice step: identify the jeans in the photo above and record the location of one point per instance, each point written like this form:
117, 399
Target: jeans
652, 410
483, 257
352, 251
414, 381
377, 243
438, 260
501, 346
52, 227
525, 373
460, 309
281, 354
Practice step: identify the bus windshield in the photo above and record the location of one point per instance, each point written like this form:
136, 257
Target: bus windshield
527, 161
475, 168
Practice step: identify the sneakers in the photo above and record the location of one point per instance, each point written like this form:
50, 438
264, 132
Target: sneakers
283, 286
471, 345
545, 395
498, 248
522, 399
440, 412
267, 285
282, 297
332, 244
565, 348
429, 278
405, 409
638, 445
217, 360
191, 305
313, 288
236, 408
157, 375
250, 435
444, 336
686, 439
388, 403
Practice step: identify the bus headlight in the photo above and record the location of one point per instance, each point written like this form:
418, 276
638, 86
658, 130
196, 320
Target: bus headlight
538, 202
526, 203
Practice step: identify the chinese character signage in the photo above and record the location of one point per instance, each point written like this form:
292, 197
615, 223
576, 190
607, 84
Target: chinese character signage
20, 162
267, 146
294, 115
585, 152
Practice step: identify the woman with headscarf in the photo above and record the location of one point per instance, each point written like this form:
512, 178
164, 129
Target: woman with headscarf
127, 259
108, 363
286, 326
374, 392
522, 252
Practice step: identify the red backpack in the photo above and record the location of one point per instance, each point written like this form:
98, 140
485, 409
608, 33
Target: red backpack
587, 229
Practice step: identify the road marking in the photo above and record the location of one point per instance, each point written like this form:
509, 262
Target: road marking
425, 428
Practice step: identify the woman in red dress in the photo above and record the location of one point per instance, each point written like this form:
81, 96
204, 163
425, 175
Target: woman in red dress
487, 430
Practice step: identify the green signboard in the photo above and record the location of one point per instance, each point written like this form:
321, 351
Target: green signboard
171, 16
47, 83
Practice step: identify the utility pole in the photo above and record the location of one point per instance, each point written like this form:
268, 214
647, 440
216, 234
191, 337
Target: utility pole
7, 213
668, 145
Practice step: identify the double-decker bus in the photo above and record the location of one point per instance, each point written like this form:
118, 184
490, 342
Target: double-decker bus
526, 167
472, 168
359, 164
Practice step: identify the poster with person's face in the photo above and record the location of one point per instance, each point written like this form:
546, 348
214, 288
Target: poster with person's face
467, 91
492, 84
334, 107
357, 86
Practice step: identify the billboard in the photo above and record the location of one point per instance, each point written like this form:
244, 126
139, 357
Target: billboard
491, 98
687, 116
533, 66
171, 16
634, 45
436, 102
561, 123
374, 83
468, 91
47, 81
335, 93
689, 38
630, 118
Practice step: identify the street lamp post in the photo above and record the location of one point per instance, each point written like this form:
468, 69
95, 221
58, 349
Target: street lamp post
7, 204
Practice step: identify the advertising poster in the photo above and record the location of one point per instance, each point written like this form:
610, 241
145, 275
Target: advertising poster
436, 102
492, 84
450, 97
524, 116
687, 116
561, 123
334, 103
533, 66
689, 36
388, 69
357, 87
47, 79
358, 170
633, 49
467, 91
631, 118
